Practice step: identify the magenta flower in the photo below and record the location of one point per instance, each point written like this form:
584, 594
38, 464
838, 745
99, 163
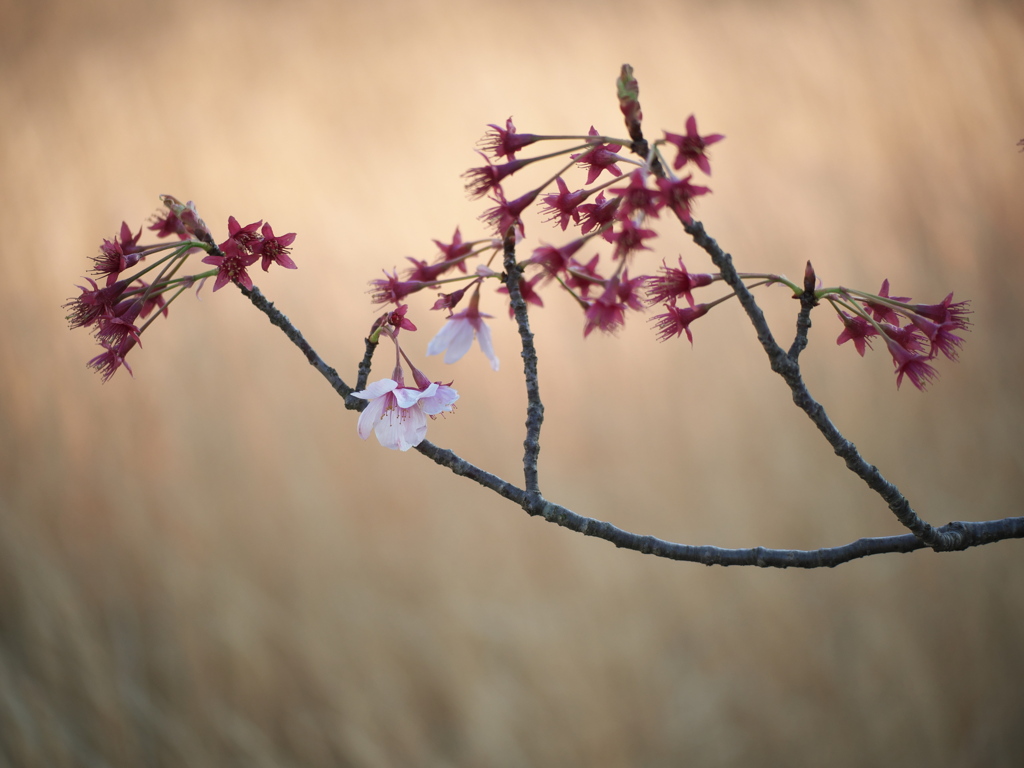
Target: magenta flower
608, 311
883, 313
912, 365
456, 337
597, 214
637, 197
392, 289
556, 260
505, 142
629, 237
506, 213
582, 277
273, 249
480, 181
246, 237
671, 283
107, 363
231, 267
118, 255
858, 330
692, 147
600, 157
678, 195
676, 321
398, 414
946, 312
563, 205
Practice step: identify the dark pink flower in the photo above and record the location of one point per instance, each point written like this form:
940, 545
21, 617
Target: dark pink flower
273, 249
629, 237
946, 312
118, 323
608, 311
480, 181
451, 300
582, 277
676, 321
678, 195
671, 283
231, 266
107, 363
940, 335
392, 289
858, 330
563, 206
246, 237
556, 260
883, 313
506, 214
637, 197
118, 255
505, 142
84, 309
600, 157
692, 147
914, 366
597, 214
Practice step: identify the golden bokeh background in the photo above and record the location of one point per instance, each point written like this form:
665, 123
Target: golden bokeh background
204, 566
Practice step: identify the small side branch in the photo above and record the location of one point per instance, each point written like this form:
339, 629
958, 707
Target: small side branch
787, 367
534, 406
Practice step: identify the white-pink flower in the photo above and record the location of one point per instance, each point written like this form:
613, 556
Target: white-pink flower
398, 414
456, 337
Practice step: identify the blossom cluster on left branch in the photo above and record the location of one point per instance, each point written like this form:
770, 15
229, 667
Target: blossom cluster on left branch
119, 311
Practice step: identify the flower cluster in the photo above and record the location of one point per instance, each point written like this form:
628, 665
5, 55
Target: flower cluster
613, 211
611, 218
914, 334
115, 311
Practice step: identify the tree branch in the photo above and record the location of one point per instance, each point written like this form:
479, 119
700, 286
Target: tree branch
963, 534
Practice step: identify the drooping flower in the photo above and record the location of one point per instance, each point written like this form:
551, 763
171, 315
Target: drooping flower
946, 312
456, 336
393, 290
481, 180
692, 147
398, 414
628, 237
912, 365
676, 321
858, 330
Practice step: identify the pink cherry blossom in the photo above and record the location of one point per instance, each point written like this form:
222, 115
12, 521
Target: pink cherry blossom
398, 414
456, 337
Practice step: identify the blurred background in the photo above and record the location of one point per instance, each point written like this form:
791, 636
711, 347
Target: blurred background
204, 566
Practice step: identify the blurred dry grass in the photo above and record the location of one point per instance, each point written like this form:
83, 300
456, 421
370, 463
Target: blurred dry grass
205, 566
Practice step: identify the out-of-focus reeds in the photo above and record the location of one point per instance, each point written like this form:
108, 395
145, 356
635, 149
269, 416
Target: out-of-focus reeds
205, 567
